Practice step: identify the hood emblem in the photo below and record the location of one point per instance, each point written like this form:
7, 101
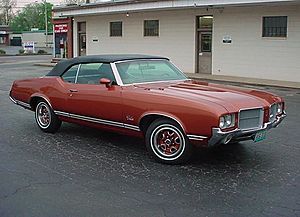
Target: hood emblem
129, 118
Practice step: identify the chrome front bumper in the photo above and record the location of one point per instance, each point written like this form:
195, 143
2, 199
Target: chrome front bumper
220, 137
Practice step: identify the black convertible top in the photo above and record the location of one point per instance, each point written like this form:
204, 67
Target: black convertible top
63, 65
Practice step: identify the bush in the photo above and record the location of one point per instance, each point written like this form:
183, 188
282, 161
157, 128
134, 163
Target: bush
21, 51
42, 52
2, 52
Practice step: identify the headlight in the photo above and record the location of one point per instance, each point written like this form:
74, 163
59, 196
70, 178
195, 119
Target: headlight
222, 122
275, 109
227, 121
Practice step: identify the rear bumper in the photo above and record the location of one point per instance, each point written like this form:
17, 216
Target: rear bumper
20, 103
219, 137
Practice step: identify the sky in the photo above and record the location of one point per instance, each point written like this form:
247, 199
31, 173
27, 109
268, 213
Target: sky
22, 3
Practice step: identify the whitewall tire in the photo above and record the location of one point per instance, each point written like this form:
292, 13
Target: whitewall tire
167, 143
46, 118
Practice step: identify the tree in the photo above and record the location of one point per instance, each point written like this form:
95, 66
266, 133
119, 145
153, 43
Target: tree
6, 11
32, 16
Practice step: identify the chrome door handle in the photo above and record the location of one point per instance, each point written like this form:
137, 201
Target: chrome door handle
73, 90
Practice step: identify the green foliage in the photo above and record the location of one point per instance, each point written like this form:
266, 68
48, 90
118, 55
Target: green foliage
32, 16
42, 52
21, 51
2, 52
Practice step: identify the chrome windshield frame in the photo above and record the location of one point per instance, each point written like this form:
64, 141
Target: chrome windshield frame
120, 81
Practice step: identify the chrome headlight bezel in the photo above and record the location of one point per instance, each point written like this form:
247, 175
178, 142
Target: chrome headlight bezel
222, 122
276, 109
227, 121
279, 109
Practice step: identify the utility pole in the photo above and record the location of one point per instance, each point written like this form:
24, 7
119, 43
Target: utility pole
46, 22
6, 15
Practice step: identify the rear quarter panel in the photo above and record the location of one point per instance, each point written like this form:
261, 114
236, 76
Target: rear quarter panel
49, 88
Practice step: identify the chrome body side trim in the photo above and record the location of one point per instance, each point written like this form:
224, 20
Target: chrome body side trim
131, 127
164, 115
98, 121
65, 114
13, 100
81, 117
24, 104
196, 137
43, 99
219, 136
20, 103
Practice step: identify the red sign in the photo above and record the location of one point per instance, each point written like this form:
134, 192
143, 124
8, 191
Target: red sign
61, 28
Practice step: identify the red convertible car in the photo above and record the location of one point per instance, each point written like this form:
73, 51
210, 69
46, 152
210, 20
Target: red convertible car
147, 96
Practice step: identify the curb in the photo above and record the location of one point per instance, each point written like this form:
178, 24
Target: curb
45, 64
21, 55
256, 82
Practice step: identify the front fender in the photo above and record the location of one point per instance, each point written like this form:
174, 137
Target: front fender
164, 114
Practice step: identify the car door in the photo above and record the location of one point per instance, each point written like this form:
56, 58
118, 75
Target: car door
88, 99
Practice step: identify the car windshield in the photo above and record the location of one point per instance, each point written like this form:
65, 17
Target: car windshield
140, 71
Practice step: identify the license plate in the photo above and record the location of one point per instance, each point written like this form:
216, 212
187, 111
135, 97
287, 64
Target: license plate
259, 136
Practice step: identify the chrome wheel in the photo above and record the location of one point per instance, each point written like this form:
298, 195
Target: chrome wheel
167, 142
43, 115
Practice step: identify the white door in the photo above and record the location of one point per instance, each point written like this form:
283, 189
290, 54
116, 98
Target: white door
204, 52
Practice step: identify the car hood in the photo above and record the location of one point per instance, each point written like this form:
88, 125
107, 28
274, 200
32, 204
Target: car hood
231, 98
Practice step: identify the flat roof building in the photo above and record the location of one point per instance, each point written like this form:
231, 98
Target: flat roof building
4, 34
244, 38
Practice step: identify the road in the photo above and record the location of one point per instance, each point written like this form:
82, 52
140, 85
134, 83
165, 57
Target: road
85, 172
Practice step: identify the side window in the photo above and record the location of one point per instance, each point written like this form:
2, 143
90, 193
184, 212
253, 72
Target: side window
116, 29
70, 74
91, 73
151, 27
275, 26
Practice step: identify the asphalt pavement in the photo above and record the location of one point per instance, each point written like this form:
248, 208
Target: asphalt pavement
86, 172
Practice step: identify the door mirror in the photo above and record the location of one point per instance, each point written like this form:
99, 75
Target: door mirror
105, 81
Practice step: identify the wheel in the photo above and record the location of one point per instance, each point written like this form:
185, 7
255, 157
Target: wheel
45, 118
167, 143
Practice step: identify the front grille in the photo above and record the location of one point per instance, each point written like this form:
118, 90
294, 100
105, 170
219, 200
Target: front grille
251, 118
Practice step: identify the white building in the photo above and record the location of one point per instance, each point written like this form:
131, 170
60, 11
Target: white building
39, 37
244, 38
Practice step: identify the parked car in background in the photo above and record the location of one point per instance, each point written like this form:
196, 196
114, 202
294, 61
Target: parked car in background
147, 96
